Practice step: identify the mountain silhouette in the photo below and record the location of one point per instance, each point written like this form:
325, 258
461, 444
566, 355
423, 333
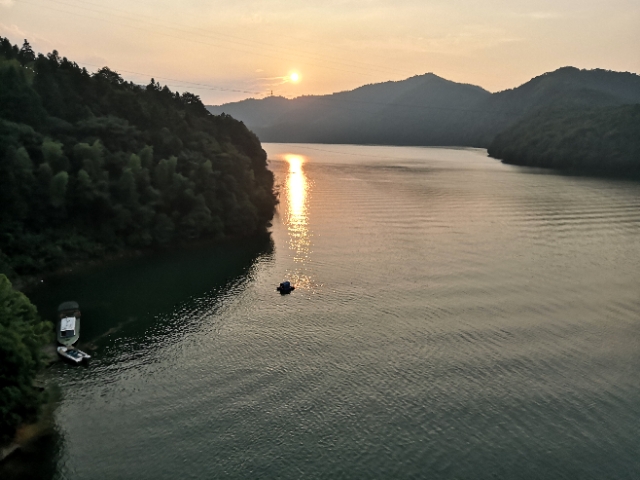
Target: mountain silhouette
427, 109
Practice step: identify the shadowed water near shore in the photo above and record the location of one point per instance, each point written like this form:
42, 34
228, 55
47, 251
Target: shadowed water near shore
125, 304
454, 318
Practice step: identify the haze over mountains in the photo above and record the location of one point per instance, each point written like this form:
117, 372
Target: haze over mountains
427, 109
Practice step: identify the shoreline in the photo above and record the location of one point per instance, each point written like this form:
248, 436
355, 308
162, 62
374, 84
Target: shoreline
26, 283
28, 433
612, 174
6, 451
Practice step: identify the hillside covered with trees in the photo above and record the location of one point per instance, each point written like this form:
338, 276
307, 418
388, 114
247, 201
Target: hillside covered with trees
91, 164
603, 139
428, 110
421, 110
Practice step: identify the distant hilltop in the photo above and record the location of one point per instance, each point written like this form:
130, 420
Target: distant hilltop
427, 109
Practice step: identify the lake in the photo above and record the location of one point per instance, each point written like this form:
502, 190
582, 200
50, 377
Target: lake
454, 317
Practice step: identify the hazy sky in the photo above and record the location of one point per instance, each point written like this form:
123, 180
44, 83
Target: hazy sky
250, 46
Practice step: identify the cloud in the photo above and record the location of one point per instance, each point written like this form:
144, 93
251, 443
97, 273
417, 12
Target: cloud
541, 15
252, 19
268, 82
16, 35
11, 31
468, 39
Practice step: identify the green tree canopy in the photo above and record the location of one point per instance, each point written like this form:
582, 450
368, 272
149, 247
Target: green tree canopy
92, 163
22, 335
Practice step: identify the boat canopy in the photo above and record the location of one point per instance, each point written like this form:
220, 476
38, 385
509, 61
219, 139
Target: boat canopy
68, 306
68, 327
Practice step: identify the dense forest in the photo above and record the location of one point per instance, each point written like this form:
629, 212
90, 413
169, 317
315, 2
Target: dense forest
22, 334
603, 139
92, 164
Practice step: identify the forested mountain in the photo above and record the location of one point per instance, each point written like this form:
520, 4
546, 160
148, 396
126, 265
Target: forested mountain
605, 139
90, 163
564, 88
427, 110
422, 110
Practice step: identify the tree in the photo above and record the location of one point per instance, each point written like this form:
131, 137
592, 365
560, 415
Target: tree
109, 75
26, 54
53, 154
22, 335
59, 189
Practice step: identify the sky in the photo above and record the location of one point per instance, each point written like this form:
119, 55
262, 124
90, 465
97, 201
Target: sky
231, 50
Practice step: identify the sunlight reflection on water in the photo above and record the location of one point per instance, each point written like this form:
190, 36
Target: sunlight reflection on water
296, 218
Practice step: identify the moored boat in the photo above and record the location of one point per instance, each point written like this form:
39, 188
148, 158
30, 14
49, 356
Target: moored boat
285, 287
68, 324
73, 354
68, 332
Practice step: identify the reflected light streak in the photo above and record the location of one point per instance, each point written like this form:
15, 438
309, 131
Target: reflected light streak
297, 217
297, 190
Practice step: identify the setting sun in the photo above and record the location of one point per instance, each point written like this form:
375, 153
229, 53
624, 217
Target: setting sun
294, 77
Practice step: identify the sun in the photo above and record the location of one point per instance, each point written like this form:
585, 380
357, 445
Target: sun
294, 77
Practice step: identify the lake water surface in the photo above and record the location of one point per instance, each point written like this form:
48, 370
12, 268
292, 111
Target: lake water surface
454, 318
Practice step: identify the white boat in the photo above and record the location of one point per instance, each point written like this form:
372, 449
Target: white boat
73, 354
68, 330
68, 325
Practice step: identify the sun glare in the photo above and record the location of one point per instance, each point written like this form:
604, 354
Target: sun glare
294, 77
297, 189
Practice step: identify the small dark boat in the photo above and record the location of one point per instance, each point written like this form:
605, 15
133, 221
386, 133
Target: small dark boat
285, 287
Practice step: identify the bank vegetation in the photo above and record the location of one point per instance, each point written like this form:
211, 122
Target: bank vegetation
92, 164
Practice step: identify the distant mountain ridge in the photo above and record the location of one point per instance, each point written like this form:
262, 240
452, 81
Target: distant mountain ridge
427, 109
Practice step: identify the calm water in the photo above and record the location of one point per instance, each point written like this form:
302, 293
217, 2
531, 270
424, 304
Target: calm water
454, 318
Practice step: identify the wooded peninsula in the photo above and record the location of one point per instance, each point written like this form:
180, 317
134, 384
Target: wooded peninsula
92, 165
594, 140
